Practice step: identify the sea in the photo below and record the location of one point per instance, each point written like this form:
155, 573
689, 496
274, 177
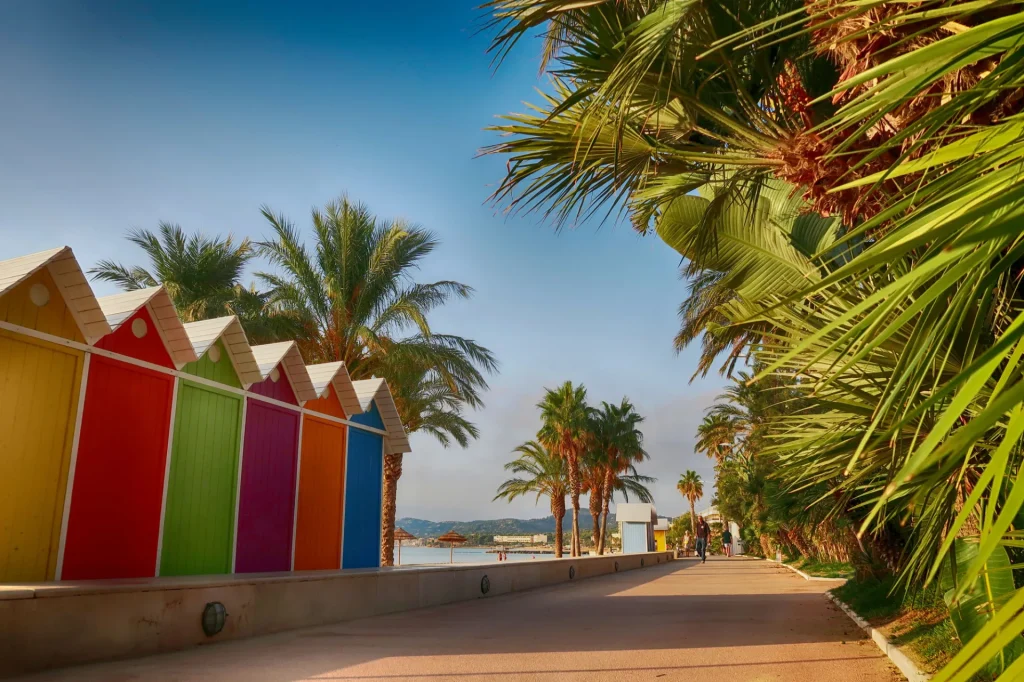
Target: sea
440, 555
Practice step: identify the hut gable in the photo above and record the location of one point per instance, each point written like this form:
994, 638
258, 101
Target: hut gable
226, 334
332, 378
375, 393
279, 361
48, 292
160, 336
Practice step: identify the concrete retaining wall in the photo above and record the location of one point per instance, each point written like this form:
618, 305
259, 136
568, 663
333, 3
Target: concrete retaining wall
60, 624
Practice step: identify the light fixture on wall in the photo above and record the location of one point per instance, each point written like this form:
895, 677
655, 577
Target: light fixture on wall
214, 617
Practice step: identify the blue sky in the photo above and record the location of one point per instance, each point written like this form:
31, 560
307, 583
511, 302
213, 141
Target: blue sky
127, 113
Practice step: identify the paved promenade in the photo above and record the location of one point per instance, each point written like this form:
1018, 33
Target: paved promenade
726, 620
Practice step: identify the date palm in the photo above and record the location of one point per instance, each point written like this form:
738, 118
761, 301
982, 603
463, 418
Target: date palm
202, 275
566, 420
716, 436
355, 296
617, 443
543, 472
691, 487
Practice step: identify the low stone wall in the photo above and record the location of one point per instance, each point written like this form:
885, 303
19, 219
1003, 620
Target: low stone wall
61, 624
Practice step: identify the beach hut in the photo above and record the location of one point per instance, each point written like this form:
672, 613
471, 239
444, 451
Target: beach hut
365, 478
636, 522
114, 519
48, 316
199, 513
266, 507
452, 538
321, 495
661, 535
401, 535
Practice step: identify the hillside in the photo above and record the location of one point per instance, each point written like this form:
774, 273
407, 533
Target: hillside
422, 528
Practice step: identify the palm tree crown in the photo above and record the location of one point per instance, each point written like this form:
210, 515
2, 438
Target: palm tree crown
356, 297
691, 487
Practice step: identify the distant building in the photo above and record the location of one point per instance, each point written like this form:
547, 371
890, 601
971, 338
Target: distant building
521, 539
711, 515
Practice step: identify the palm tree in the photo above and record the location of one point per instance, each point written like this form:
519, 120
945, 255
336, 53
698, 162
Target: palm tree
357, 300
692, 488
200, 273
716, 436
565, 431
907, 352
542, 472
618, 440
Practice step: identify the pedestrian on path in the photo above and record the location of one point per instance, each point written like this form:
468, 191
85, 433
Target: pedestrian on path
727, 541
703, 533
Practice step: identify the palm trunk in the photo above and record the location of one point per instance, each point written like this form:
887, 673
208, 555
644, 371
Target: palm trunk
574, 492
392, 472
606, 498
796, 538
693, 519
595, 516
558, 511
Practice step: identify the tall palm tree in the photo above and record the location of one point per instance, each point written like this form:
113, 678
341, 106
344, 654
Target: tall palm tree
358, 302
565, 416
692, 488
619, 441
202, 276
543, 472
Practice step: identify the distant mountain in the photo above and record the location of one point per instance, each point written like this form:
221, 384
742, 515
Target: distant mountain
422, 528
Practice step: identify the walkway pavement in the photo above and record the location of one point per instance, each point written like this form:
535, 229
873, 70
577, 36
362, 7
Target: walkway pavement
735, 619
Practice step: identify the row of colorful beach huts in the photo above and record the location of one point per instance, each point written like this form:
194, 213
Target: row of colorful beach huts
133, 445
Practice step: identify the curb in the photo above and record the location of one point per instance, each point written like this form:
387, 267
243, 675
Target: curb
804, 575
892, 652
898, 658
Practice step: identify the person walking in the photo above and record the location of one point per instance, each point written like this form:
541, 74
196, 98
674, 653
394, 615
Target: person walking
703, 533
727, 540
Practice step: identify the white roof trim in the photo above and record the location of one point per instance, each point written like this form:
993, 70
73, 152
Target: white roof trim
377, 391
69, 278
336, 374
119, 307
205, 333
286, 353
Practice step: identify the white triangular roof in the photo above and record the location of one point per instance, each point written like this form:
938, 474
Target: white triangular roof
119, 307
336, 374
377, 390
205, 333
69, 278
286, 353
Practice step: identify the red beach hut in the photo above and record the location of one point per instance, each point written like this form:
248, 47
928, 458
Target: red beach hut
266, 508
114, 520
